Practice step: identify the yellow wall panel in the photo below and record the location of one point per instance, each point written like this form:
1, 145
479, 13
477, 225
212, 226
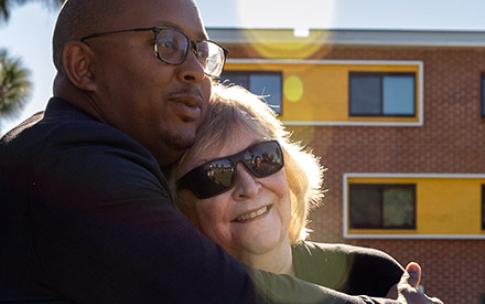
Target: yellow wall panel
450, 206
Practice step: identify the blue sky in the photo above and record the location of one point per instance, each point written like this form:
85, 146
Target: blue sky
28, 34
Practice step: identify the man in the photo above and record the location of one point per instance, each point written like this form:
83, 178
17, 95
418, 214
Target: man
85, 213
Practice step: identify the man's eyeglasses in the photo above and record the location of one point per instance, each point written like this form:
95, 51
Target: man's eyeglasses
172, 47
218, 175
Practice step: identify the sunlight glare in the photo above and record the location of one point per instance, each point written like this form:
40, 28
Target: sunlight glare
301, 20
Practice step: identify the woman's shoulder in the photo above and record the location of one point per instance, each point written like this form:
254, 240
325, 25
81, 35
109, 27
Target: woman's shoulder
350, 251
311, 246
360, 269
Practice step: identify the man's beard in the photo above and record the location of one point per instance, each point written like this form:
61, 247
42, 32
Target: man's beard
178, 141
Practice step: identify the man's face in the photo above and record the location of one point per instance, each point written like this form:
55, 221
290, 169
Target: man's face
158, 104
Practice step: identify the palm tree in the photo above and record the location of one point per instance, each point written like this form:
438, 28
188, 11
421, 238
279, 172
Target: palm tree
7, 5
15, 86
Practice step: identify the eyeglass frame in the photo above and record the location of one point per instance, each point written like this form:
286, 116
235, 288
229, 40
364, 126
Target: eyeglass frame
156, 30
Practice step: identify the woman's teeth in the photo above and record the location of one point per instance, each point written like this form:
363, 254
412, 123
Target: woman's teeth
253, 214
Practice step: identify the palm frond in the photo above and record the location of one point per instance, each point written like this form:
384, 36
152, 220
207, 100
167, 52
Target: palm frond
4, 10
6, 6
15, 86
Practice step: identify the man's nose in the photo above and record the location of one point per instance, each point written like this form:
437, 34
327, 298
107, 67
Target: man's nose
245, 184
191, 70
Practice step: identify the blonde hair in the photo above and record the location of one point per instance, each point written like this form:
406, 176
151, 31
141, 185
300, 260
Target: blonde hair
232, 108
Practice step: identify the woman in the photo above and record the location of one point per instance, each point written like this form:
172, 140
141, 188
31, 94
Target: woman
249, 188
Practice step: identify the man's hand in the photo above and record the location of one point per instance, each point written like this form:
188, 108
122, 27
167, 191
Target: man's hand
408, 288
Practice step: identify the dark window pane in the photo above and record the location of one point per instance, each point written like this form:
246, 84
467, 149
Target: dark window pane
398, 95
398, 207
269, 86
365, 95
382, 206
239, 78
365, 207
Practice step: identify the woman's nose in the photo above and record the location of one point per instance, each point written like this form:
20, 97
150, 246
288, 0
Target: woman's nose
245, 185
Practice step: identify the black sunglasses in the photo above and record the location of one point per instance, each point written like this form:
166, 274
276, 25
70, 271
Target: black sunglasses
218, 175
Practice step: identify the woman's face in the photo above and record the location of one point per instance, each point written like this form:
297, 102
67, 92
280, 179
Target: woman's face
253, 217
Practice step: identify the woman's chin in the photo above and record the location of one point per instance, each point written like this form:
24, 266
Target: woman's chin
258, 240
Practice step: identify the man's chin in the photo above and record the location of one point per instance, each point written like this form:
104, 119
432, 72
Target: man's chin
173, 145
180, 141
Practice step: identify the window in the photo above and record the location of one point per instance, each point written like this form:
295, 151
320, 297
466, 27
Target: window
374, 206
266, 84
382, 94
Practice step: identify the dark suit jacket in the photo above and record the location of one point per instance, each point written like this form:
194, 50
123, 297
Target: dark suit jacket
86, 217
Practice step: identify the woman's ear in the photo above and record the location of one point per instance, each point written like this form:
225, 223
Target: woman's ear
78, 62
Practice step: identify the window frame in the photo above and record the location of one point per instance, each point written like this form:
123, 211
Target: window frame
381, 188
248, 73
381, 76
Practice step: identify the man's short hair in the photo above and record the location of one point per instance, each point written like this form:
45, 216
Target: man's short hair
79, 18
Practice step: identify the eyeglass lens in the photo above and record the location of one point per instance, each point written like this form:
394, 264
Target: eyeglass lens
173, 47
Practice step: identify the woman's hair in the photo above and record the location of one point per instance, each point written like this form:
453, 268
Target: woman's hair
233, 108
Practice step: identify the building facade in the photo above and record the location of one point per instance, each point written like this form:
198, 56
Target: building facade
398, 118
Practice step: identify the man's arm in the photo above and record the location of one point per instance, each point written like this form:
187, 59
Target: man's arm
106, 232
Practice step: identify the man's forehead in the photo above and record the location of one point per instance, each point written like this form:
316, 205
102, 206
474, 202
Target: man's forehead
196, 34
180, 14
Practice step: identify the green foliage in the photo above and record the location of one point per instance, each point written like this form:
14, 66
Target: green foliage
7, 5
15, 86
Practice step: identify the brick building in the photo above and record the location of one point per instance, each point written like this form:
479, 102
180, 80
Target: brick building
398, 118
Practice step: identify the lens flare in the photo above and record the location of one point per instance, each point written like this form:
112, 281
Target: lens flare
293, 88
297, 40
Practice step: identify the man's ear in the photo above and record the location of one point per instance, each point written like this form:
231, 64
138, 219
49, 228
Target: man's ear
78, 61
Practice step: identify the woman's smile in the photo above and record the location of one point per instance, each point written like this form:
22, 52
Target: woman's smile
252, 215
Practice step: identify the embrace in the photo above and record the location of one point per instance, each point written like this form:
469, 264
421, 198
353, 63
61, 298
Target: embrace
145, 181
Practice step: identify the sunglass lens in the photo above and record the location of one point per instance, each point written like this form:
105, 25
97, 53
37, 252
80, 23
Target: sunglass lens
213, 178
220, 172
264, 159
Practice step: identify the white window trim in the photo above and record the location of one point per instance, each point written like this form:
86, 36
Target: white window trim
345, 208
419, 79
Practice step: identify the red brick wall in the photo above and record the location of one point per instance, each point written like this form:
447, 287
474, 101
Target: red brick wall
452, 140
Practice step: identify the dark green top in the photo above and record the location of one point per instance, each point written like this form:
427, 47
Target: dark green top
349, 269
